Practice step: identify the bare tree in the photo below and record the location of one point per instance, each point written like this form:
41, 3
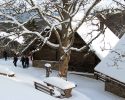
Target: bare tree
58, 15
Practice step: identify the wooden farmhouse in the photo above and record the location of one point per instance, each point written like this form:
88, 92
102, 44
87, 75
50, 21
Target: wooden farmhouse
111, 69
78, 61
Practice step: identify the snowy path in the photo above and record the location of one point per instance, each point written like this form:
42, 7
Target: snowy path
21, 87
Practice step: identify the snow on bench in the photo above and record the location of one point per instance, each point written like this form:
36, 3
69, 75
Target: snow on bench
7, 72
43, 87
63, 86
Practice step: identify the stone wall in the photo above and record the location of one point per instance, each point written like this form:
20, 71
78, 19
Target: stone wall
41, 64
115, 88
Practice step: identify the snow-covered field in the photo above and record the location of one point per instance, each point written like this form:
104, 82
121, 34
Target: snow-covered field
21, 86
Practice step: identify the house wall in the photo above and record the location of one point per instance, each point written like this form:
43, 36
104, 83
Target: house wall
115, 88
82, 61
78, 62
41, 64
46, 54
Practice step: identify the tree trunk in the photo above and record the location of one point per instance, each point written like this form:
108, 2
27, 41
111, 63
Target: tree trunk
65, 52
64, 58
64, 61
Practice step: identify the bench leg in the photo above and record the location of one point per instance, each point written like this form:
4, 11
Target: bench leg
51, 92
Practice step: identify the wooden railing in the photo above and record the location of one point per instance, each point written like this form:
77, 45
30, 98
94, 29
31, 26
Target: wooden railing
107, 78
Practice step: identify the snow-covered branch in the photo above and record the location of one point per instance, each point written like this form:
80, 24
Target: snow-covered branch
119, 3
87, 13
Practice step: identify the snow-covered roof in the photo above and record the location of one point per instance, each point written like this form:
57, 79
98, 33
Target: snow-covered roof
103, 43
100, 45
104, 4
59, 82
113, 65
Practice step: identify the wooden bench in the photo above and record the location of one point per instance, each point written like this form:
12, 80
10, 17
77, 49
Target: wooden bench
63, 86
44, 88
7, 74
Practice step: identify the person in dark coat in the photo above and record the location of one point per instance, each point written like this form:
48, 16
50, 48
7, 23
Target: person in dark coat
23, 59
5, 55
15, 59
27, 62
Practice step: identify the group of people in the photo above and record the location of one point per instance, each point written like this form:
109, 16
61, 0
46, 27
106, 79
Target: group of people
24, 60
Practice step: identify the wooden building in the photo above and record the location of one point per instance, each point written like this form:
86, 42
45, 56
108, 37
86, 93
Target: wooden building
111, 69
78, 61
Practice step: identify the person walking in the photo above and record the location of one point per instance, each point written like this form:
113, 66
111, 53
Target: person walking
27, 62
5, 55
15, 59
23, 61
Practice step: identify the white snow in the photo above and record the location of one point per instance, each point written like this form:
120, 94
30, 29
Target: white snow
114, 64
12, 36
21, 86
59, 82
103, 43
106, 4
47, 65
6, 71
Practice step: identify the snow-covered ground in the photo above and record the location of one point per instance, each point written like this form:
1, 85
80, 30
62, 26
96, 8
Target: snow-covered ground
21, 86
